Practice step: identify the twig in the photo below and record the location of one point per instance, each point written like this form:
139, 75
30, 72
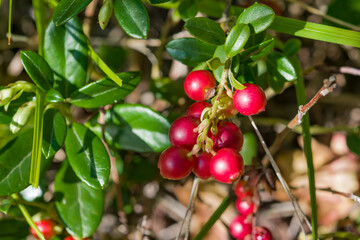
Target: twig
189, 208
89, 13
328, 87
350, 70
324, 15
299, 213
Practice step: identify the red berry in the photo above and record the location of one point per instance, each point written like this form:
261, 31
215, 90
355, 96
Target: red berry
244, 206
182, 133
240, 227
46, 227
198, 84
228, 136
175, 164
202, 165
72, 238
251, 100
241, 190
228, 109
196, 109
227, 165
262, 233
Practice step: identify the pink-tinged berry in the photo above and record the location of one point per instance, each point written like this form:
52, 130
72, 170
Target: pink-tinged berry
202, 165
262, 233
241, 190
198, 85
174, 163
45, 226
197, 108
227, 165
245, 206
240, 227
182, 133
250, 101
228, 136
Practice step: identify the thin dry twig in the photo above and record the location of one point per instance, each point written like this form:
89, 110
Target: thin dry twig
328, 87
299, 213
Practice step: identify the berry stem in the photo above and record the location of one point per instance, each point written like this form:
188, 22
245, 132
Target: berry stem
27, 216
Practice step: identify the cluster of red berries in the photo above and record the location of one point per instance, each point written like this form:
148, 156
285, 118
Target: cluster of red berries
47, 228
220, 157
241, 226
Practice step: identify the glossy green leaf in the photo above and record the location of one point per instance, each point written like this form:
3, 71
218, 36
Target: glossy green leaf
54, 132
66, 9
260, 17
15, 164
235, 83
291, 47
236, 39
353, 143
190, 51
12, 229
5, 205
54, 96
275, 81
87, 156
66, 52
80, 206
258, 51
105, 91
219, 53
280, 66
38, 69
138, 128
205, 30
132, 17
188, 9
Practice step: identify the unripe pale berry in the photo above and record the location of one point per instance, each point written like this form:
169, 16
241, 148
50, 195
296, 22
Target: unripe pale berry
240, 227
197, 108
241, 190
45, 226
198, 85
227, 165
245, 206
228, 109
228, 136
202, 165
262, 233
250, 101
182, 133
174, 163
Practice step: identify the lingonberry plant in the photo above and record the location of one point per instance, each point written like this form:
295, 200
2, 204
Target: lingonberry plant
91, 103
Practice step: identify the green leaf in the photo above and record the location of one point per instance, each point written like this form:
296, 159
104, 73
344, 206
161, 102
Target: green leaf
167, 89
348, 11
66, 52
79, 206
138, 128
132, 17
188, 9
87, 156
12, 229
353, 143
105, 91
235, 83
54, 96
159, 1
15, 174
66, 9
54, 132
258, 51
190, 51
250, 148
260, 17
5, 205
280, 66
219, 53
205, 30
214, 63
236, 39
291, 47
38, 69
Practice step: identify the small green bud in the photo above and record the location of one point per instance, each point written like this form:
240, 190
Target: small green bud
105, 13
6, 96
22, 117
